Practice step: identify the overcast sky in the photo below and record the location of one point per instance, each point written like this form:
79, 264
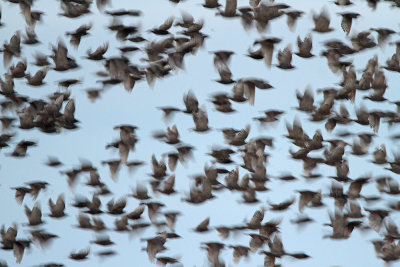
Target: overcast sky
139, 107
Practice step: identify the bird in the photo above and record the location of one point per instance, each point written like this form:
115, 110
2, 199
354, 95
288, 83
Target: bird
347, 20
221, 63
285, 58
230, 8
163, 28
211, 4
11, 49
78, 34
34, 215
203, 226
322, 22
200, 119
267, 48
57, 209
98, 54
37, 78
80, 255
305, 47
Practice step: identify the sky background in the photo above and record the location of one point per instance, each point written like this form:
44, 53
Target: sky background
139, 107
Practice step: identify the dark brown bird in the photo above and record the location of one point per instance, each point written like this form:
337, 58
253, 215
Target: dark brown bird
267, 49
213, 251
343, 3
124, 12
310, 197
21, 148
75, 10
98, 54
305, 47
163, 28
42, 237
155, 245
37, 79
230, 9
383, 34
203, 226
321, 22
164, 261
12, 49
57, 209
282, 206
221, 63
34, 215
347, 19
200, 119
116, 207
18, 71
61, 59
285, 58
103, 240
292, 17
211, 4
80, 255
78, 34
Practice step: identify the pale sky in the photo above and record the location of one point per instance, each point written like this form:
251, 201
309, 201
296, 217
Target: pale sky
139, 107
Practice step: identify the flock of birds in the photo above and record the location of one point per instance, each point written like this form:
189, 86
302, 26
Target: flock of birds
239, 166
